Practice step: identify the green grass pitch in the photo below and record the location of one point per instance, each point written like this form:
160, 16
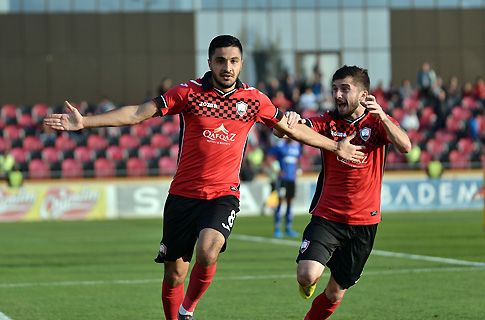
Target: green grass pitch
426, 265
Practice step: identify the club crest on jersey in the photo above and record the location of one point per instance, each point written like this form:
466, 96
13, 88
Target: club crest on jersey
241, 108
304, 245
365, 133
163, 249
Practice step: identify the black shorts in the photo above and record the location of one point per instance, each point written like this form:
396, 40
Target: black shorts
184, 218
286, 189
341, 247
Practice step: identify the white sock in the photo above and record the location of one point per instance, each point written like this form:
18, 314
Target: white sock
184, 312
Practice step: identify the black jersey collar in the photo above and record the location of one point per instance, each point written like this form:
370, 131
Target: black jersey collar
207, 84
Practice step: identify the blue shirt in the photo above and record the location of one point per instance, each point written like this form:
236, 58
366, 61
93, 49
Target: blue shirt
287, 152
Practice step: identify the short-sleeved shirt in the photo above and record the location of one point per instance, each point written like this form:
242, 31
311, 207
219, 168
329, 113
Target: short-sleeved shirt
350, 192
214, 129
287, 153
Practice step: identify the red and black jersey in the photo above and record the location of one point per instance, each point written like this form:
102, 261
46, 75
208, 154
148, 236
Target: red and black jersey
214, 129
350, 192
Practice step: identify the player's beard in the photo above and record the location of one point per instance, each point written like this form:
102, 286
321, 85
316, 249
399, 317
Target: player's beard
351, 107
224, 84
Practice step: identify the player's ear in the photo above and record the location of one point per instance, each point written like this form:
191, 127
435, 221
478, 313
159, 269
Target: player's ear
209, 63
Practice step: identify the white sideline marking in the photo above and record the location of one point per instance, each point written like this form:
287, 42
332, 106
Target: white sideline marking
376, 252
3, 316
477, 266
240, 278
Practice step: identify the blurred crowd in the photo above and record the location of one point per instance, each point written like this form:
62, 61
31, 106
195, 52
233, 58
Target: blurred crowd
444, 118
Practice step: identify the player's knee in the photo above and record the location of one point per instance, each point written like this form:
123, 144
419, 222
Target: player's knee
206, 258
305, 279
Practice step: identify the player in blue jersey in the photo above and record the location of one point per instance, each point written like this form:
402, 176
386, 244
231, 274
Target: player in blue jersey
288, 153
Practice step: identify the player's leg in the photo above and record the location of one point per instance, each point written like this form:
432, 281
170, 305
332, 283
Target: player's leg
176, 248
173, 286
290, 194
208, 247
325, 303
215, 225
307, 273
277, 212
347, 264
320, 240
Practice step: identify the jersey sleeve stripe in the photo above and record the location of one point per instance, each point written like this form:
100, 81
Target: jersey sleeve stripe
160, 102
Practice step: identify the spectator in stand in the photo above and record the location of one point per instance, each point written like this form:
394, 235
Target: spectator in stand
7, 163
453, 92
15, 178
273, 87
479, 90
425, 80
406, 90
308, 100
48, 136
410, 120
280, 101
467, 90
105, 105
165, 85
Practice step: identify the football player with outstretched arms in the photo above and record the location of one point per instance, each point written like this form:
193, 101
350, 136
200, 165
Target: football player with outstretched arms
217, 112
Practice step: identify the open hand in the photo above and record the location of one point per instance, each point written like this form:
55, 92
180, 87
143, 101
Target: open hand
66, 121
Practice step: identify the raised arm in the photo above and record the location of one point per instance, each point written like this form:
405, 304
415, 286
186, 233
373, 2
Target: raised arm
126, 115
395, 134
300, 132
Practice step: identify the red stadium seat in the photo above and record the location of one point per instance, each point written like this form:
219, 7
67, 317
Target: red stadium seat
136, 167
445, 136
39, 169
159, 140
454, 124
104, 168
19, 154
459, 160
461, 113
115, 153
398, 114
39, 112
427, 118
425, 158
394, 159
25, 120
32, 143
4, 144
411, 103
8, 111
171, 128
167, 166
71, 168
469, 103
65, 142
12, 132
436, 147
50, 154
83, 154
416, 136
147, 152
128, 141
467, 145
97, 142
139, 130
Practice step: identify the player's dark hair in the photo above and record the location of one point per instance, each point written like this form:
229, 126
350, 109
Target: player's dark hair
224, 41
360, 75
